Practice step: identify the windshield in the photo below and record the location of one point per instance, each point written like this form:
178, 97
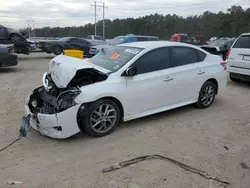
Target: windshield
218, 43
117, 40
114, 58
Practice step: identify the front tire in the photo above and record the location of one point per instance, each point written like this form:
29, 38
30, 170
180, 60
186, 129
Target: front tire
206, 95
15, 38
100, 118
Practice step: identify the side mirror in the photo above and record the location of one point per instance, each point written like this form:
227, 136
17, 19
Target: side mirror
131, 71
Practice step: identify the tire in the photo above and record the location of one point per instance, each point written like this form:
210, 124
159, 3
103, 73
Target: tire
15, 38
232, 78
57, 50
206, 95
94, 122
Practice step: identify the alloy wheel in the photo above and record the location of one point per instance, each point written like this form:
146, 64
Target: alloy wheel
208, 94
103, 118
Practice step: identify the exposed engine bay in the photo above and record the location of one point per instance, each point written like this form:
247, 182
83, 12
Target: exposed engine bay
49, 99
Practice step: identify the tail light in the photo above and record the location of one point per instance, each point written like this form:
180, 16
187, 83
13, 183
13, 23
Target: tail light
11, 51
224, 65
228, 53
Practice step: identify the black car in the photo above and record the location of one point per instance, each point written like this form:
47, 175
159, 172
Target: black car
7, 55
11, 34
219, 46
66, 43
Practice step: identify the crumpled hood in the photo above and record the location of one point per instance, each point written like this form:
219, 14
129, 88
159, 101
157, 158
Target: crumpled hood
63, 68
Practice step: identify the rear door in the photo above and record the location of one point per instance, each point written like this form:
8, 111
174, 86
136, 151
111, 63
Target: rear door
188, 74
240, 53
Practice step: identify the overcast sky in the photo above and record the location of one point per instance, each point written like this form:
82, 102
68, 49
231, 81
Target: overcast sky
15, 13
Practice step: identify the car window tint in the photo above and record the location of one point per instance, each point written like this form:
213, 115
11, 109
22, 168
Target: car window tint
154, 60
201, 55
242, 42
183, 56
142, 39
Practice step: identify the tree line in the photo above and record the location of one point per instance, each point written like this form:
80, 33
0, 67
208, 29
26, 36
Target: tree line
227, 24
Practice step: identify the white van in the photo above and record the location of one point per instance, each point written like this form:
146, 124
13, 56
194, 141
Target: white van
239, 59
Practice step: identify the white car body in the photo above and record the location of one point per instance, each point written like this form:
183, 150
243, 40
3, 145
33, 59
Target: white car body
239, 58
140, 95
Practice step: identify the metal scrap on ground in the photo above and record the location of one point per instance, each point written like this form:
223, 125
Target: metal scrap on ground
149, 157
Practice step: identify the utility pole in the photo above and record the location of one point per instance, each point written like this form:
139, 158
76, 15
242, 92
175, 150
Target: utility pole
28, 28
103, 9
34, 32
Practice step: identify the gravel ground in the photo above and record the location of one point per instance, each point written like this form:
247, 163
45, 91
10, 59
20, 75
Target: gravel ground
215, 140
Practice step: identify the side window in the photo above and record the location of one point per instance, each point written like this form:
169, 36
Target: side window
142, 39
183, 56
242, 42
201, 55
154, 60
153, 39
89, 37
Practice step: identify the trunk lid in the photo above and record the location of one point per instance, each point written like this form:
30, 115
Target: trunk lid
63, 69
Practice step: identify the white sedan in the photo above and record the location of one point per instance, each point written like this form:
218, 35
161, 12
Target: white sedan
122, 83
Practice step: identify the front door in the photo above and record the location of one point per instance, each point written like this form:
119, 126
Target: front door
148, 90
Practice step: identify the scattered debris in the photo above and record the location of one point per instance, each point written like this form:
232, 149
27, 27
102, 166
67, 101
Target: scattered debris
149, 157
14, 182
243, 165
214, 184
22, 132
226, 148
14, 141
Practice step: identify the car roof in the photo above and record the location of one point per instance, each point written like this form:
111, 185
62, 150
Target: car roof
131, 35
147, 44
245, 34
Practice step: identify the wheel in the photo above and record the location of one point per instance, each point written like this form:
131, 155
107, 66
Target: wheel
57, 50
206, 95
100, 118
232, 78
15, 37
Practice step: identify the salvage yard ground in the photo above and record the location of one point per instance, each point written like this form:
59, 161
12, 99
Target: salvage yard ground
215, 140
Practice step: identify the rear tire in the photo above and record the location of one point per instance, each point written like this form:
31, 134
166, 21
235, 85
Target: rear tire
206, 95
232, 78
100, 118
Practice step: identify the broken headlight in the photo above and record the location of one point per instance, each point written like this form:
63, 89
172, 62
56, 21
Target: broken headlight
67, 98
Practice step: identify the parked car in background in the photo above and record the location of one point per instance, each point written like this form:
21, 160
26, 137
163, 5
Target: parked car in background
7, 55
11, 34
57, 46
122, 40
239, 59
32, 45
122, 83
219, 46
182, 37
95, 37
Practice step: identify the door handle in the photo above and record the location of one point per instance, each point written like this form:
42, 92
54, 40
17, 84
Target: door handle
167, 79
200, 72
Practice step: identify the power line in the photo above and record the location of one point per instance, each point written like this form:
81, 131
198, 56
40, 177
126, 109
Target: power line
103, 16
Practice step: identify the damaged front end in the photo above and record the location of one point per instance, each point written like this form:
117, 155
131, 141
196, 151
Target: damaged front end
51, 109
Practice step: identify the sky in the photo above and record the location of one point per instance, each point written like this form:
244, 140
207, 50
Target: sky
61, 13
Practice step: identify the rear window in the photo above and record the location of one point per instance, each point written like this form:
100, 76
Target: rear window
201, 55
243, 42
